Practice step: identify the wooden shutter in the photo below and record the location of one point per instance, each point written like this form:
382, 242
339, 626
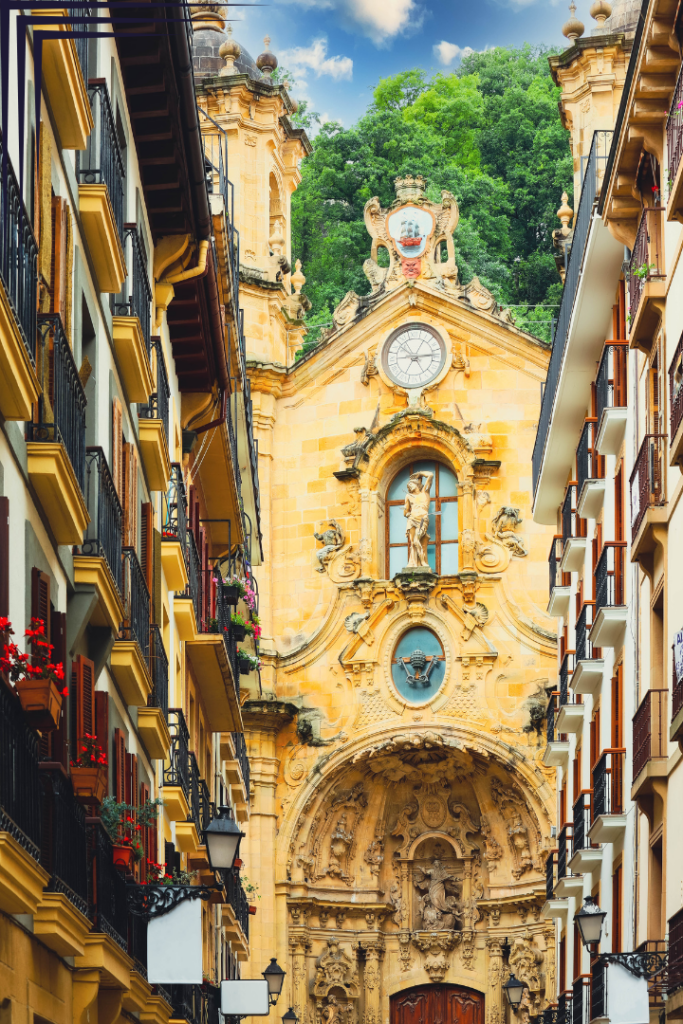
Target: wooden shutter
617, 916
618, 708
563, 805
147, 543
58, 265
119, 766
59, 747
595, 739
563, 964
4, 557
130, 496
117, 447
40, 598
619, 503
131, 781
83, 677
146, 834
102, 720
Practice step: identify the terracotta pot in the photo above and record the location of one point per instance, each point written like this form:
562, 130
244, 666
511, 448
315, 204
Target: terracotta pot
90, 784
237, 863
42, 702
123, 857
252, 909
238, 632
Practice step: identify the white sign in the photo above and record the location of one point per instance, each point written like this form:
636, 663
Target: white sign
627, 998
245, 998
174, 946
678, 656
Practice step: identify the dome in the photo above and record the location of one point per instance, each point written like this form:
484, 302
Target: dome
207, 60
623, 19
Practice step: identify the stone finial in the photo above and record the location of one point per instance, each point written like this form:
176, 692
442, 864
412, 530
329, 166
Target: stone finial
573, 28
601, 11
230, 51
208, 15
277, 239
298, 280
565, 214
266, 62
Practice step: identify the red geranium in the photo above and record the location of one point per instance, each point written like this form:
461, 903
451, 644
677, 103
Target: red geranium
20, 666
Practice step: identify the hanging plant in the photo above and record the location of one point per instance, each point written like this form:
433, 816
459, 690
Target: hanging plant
246, 662
37, 680
124, 823
89, 771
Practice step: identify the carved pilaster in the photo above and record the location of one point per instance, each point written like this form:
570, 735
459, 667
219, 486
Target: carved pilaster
299, 946
494, 991
373, 948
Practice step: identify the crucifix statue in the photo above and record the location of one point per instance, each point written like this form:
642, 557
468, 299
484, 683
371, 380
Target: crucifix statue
416, 511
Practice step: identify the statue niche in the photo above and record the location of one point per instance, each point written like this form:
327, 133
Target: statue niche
437, 880
336, 985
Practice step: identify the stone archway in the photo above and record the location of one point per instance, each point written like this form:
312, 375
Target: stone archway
437, 1004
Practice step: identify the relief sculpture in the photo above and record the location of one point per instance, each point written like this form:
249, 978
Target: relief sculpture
438, 907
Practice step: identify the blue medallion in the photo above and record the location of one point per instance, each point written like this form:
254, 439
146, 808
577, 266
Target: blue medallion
418, 665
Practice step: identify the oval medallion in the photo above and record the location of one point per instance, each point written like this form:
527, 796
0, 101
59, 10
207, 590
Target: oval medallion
433, 812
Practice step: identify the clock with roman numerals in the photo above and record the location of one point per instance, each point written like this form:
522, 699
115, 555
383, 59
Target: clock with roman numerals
413, 355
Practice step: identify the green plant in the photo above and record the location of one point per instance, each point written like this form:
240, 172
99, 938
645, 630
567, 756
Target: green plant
235, 581
22, 667
237, 620
643, 271
244, 656
124, 822
180, 877
250, 888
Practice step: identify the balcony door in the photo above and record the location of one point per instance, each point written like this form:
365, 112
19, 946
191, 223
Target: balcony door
445, 1004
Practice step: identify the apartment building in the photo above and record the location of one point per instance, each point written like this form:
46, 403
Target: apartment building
129, 521
607, 474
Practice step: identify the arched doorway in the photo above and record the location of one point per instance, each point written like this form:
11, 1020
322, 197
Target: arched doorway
437, 1004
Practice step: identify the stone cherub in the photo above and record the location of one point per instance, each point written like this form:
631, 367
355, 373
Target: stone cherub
332, 540
416, 511
308, 722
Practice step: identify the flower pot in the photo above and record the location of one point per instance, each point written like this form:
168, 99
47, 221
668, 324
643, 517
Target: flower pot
90, 783
123, 858
231, 593
42, 702
237, 863
252, 909
238, 632
245, 667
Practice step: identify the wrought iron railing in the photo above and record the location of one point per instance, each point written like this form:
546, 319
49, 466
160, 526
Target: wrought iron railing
564, 1009
158, 405
589, 465
177, 771
158, 698
584, 624
18, 254
101, 163
199, 797
175, 508
564, 851
135, 625
64, 849
608, 783
78, 17
647, 479
554, 559
187, 1002
598, 987
610, 383
647, 258
597, 159
550, 716
20, 789
675, 979
566, 672
572, 523
676, 388
135, 298
609, 576
242, 758
674, 130
61, 407
237, 898
581, 822
581, 994
107, 888
137, 940
649, 730
103, 536
194, 576
677, 693
550, 874
657, 979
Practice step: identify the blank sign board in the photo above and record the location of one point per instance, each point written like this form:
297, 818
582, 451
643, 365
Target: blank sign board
174, 946
245, 998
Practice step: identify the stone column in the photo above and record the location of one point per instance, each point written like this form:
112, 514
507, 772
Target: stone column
494, 993
299, 947
373, 948
468, 535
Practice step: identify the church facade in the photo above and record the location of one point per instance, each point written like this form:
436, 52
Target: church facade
401, 814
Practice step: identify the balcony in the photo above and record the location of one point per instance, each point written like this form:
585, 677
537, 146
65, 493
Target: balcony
573, 533
650, 741
130, 654
152, 720
590, 473
56, 437
107, 946
647, 280
674, 148
236, 915
176, 791
648, 500
99, 564
188, 1002
19, 387
609, 818
131, 321
189, 833
676, 406
586, 858
676, 730
568, 884
620, 994
611, 398
237, 772
587, 676
174, 532
560, 583
188, 605
63, 81
552, 907
570, 712
610, 609
212, 661
556, 753
581, 1000
101, 174
674, 1003
153, 427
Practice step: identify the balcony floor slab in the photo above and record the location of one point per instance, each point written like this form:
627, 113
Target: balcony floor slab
608, 828
587, 861
570, 718
558, 605
175, 803
213, 677
186, 836
51, 474
648, 315
587, 676
102, 237
22, 879
154, 450
555, 908
131, 672
573, 554
556, 754
60, 925
93, 571
591, 499
609, 627
611, 430
173, 564
154, 732
106, 956
185, 618
570, 885
19, 387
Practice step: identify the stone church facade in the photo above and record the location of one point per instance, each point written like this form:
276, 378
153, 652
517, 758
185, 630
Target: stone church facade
401, 814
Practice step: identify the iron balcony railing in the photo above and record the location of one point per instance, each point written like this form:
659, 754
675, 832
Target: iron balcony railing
677, 694
582, 822
674, 130
242, 758
657, 983
584, 624
647, 479
647, 258
135, 298
572, 523
199, 798
598, 988
549, 1016
107, 887
566, 672
137, 940
554, 559
237, 898
79, 19
564, 1009
188, 1003
609, 576
581, 995
611, 381
158, 698
101, 163
608, 783
676, 388
18, 254
177, 771
675, 979
175, 508
60, 415
20, 789
592, 181
550, 874
589, 465
135, 625
550, 716
649, 730
158, 405
194, 576
564, 851
64, 848
103, 537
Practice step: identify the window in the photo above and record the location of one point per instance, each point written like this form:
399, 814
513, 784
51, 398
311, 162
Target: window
442, 550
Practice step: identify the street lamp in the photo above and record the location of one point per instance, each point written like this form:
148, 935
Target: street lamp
275, 977
222, 839
589, 922
290, 1017
514, 990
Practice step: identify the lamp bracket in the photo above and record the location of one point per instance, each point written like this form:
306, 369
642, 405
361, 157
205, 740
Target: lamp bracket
154, 900
642, 965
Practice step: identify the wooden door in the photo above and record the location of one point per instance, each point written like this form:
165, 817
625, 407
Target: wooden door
437, 1004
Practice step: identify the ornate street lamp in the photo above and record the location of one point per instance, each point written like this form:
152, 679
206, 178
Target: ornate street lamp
290, 1017
275, 977
514, 990
222, 838
589, 921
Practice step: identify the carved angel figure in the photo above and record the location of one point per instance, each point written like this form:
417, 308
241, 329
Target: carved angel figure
332, 540
439, 907
503, 527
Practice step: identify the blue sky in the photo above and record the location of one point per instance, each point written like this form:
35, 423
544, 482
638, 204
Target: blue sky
338, 49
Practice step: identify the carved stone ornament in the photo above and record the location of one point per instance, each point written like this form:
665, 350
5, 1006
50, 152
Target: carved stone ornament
436, 947
332, 540
503, 527
438, 906
308, 724
525, 961
335, 968
510, 804
416, 585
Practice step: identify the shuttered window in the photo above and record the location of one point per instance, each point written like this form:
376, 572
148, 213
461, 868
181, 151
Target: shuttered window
83, 691
117, 447
618, 708
130, 496
119, 766
40, 598
147, 543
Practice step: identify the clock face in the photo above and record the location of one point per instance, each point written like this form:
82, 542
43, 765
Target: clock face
413, 355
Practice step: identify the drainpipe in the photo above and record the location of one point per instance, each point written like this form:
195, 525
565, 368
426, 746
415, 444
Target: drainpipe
198, 271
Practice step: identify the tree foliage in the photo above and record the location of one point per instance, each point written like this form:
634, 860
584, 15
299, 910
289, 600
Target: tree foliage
490, 133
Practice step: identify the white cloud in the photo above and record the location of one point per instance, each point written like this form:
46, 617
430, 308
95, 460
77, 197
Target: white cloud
447, 53
302, 59
381, 20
